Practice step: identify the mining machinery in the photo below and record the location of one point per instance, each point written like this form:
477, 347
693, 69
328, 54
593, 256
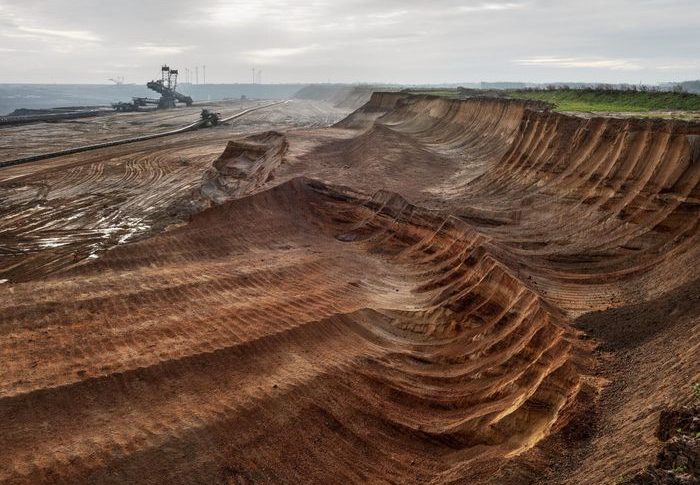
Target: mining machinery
166, 86
209, 118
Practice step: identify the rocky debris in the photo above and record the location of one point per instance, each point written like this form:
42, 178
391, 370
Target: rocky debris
244, 166
678, 462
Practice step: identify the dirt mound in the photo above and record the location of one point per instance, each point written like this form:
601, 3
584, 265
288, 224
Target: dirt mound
244, 166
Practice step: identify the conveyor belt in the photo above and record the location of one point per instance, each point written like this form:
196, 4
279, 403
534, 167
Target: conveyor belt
84, 148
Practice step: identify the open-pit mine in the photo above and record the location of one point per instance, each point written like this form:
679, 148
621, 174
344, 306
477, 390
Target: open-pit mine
384, 288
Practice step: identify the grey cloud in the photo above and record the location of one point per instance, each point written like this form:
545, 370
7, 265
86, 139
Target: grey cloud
408, 41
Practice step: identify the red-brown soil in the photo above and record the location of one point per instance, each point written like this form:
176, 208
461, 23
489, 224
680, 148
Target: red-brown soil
430, 291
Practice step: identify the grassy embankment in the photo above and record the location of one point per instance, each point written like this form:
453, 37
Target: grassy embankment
592, 100
612, 100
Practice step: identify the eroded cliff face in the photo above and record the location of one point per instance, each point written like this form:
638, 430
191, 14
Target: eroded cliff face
587, 215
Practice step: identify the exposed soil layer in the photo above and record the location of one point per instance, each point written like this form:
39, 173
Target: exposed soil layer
430, 291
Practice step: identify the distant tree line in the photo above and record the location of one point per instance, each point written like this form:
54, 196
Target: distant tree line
602, 87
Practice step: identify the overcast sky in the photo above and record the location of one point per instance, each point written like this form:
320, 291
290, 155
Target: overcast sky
392, 41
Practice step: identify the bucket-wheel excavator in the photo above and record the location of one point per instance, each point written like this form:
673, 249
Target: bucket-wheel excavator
166, 86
